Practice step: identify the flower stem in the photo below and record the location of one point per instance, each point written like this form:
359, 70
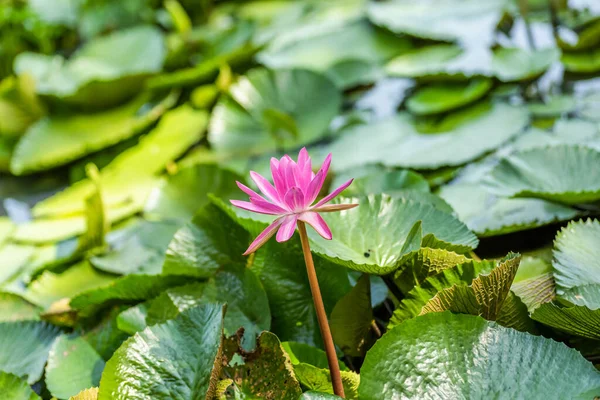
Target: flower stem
334, 367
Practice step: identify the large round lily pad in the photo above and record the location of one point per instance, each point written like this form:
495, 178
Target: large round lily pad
269, 110
442, 355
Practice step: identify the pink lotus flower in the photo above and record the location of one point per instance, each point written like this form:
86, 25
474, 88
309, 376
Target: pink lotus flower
291, 197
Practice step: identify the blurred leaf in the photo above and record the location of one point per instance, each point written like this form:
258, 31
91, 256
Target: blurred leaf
102, 73
14, 388
59, 139
15, 308
130, 176
137, 249
561, 173
182, 194
396, 142
442, 97
489, 215
238, 124
137, 370
25, 347
585, 62
73, 365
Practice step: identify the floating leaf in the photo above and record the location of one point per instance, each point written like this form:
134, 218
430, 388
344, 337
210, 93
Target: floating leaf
240, 124
576, 263
88, 394
25, 347
130, 176
51, 287
371, 237
312, 395
104, 72
447, 20
137, 369
15, 308
125, 289
329, 44
396, 142
73, 365
442, 97
489, 215
584, 62
465, 355
12, 387
182, 194
58, 140
14, 257
138, 249
559, 173
372, 179
424, 61
515, 64
307, 354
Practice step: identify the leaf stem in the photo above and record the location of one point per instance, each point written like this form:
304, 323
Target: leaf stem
334, 367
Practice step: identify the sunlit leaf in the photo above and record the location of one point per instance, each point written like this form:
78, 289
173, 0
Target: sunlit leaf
467, 356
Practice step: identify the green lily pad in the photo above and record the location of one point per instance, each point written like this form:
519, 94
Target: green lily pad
446, 20
15, 308
575, 320
137, 249
326, 45
576, 263
312, 395
271, 110
104, 72
14, 388
130, 176
6, 229
14, 258
396, 142
425, 61
51, 287
562, 173
467, 356
584, 62
73, 365
57, 140
137, 369
442, 97
555, 106
374, 179
515, 64
371, 237
25, 348
125, 289
182, 194
489, 215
